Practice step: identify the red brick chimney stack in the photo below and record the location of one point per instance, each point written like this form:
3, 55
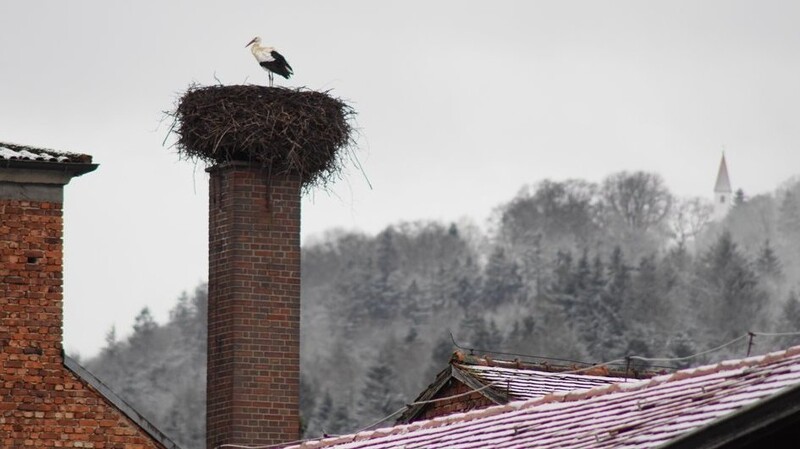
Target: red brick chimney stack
31, 197
254, 306
266, 146
44, 401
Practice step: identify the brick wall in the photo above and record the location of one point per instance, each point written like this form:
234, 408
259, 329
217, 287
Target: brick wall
254, 307
472, 401
42, 404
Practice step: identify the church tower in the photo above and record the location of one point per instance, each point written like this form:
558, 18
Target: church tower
723, 195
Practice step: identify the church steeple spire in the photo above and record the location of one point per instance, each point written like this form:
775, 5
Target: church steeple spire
723, 184
723, 194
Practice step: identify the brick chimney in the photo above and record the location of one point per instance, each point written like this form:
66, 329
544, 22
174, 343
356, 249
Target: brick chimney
31, 196
254, 306
46, 399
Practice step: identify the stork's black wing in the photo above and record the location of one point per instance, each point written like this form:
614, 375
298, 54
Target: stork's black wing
279, 65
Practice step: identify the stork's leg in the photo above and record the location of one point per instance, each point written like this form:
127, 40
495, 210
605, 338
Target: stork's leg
270, 79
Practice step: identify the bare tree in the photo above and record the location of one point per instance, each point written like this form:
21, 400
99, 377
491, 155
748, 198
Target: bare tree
554, 213
637, 200
689, 217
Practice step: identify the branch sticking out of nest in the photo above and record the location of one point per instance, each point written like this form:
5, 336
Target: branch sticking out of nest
287, 131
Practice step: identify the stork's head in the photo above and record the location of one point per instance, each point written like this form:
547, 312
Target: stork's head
256, 40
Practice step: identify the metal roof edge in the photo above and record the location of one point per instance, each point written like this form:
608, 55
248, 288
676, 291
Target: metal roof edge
73, 168
126, 409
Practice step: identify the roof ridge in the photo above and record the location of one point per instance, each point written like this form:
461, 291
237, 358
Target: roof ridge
460, 358
687, 373
535, 372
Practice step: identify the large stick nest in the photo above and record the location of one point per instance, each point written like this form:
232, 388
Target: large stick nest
287, 131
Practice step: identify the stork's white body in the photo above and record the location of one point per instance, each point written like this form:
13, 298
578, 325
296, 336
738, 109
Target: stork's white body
270, 60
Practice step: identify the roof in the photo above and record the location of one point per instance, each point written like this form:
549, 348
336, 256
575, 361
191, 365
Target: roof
704, 407
120, 404
723, 183
502, 381
41, 159
528, 384
9, 151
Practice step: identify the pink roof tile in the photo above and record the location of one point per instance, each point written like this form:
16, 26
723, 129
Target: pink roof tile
642, 414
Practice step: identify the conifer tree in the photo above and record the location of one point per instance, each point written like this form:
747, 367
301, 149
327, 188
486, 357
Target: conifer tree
563, 278
647, 307
319, 417
767, 264
789, 321
441, 352
340, 422
379, 398
738, 198
144, 328
729, 298
619, 279
503, 283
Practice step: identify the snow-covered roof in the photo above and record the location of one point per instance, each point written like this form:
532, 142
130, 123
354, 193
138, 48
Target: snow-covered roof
502, 381
528, 384
13, 152
648, 413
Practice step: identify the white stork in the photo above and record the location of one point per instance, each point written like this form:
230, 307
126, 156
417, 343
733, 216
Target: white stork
270, 59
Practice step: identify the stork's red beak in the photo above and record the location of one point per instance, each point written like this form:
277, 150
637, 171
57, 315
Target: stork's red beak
248, 44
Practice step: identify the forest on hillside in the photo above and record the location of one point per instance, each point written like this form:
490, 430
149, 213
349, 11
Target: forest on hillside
572, 270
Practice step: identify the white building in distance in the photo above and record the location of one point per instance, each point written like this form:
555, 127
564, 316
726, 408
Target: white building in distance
723, 194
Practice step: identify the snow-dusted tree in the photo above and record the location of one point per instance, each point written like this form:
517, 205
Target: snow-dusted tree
789, 232
767, 263
341, 421
144, 329
689, 217
563, 214
503, 283
379, 396
634, 211
729, 299
318, 416
789, 320
638, 201
161, 372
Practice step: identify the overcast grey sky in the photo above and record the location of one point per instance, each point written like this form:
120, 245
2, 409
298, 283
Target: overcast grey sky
459, 105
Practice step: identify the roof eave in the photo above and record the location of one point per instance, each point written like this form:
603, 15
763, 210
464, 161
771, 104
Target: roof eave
72, 168
745, 425
476, 384
414, 410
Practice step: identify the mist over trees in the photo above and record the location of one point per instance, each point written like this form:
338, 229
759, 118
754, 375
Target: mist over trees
567, 269
160, 370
